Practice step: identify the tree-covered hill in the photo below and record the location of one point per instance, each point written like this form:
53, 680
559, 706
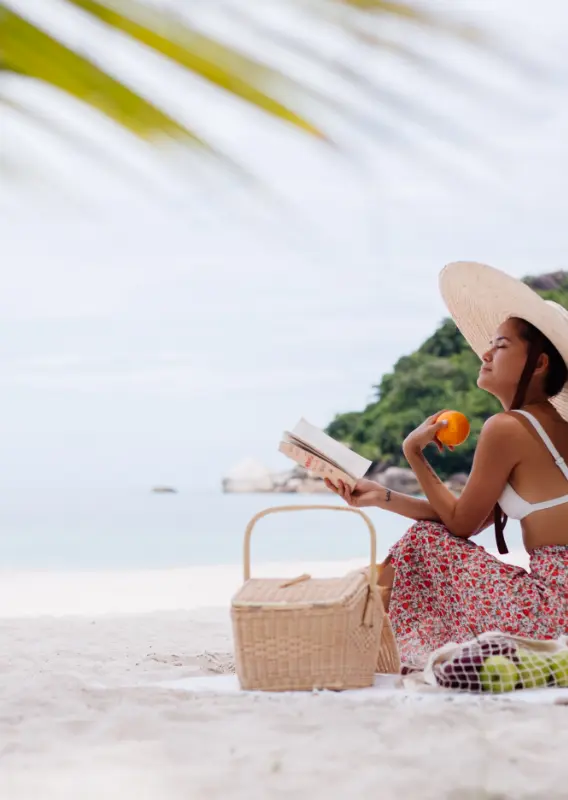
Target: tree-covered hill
442, 373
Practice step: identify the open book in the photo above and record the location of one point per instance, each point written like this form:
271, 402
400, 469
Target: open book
323, 456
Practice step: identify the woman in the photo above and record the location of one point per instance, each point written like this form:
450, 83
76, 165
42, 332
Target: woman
438, 585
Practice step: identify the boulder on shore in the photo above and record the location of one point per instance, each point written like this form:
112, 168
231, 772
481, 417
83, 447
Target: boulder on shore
298, 481
456, 483
249, 476
399, 479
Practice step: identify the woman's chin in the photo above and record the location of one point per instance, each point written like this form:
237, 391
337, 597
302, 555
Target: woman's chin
483, 381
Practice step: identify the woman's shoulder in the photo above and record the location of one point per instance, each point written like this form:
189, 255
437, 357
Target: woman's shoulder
502, 430
510, 427
503, 422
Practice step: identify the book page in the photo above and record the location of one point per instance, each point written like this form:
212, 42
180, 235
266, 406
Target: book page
333, 451
315, 464
293, 440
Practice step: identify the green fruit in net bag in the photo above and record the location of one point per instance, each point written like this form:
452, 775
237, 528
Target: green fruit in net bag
534, 669
558, 664
498, 674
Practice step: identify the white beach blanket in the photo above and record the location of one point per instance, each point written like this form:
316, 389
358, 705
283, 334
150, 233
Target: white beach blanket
385, 686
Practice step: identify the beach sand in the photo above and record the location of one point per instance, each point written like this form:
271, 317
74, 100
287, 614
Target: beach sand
76, 721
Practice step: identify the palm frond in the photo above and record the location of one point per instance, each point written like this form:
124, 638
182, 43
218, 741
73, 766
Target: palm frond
70, 138
408, 12
441, 23
29, 51
380, 95
219, 64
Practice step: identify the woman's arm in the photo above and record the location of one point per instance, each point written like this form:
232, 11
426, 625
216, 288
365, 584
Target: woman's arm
418, 509
371, 493
405, 505
367, 493
494, 459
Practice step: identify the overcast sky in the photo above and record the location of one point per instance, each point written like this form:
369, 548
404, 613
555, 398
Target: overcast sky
162, 335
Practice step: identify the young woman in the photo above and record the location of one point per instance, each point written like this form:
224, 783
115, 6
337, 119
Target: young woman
438, 585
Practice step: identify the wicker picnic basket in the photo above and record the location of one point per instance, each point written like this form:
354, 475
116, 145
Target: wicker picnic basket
306, 633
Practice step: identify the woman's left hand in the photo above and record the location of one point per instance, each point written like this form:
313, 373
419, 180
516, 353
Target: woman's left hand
424, 434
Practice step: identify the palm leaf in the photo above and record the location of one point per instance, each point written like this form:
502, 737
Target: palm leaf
411, 13
71, 139
380, 96
224, 67
435, 22
28, 51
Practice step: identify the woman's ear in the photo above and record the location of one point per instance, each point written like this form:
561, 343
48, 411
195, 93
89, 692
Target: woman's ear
542, 364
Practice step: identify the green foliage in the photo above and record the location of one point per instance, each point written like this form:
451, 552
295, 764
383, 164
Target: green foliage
442, 373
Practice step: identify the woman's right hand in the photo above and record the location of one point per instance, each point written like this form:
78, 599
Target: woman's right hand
364, 493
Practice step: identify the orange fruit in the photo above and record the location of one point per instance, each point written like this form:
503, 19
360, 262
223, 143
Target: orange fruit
457, 429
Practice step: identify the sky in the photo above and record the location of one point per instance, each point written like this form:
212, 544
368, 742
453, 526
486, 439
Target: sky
163, 329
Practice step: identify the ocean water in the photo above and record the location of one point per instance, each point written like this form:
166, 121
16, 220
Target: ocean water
101, 529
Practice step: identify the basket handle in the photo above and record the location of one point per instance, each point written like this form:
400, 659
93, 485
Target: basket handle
275, 509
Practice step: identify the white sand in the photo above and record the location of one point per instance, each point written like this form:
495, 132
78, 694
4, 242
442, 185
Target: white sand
62, 736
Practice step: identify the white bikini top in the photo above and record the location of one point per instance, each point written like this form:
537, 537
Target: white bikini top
511, 502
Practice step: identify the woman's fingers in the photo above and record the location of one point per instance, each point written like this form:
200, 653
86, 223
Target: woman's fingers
346, 493
433, 417
343, 490
336, 489
331, 486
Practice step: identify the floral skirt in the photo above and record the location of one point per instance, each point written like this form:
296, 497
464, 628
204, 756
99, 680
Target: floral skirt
449, 589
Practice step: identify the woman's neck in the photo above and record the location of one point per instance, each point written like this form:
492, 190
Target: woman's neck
535, 397
544, 406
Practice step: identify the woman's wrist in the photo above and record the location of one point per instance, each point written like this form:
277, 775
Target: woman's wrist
409, 450
383, 496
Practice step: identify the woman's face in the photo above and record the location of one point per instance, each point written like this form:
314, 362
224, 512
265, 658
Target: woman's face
503, 362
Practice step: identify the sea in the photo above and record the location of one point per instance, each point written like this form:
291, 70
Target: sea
137, 529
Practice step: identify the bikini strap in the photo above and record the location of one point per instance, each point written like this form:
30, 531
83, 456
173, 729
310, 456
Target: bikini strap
560, 462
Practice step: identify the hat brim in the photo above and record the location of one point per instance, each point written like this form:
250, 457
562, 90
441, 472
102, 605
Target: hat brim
480, 298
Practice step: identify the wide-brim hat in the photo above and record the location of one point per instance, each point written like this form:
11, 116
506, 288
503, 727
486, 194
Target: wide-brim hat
480, 298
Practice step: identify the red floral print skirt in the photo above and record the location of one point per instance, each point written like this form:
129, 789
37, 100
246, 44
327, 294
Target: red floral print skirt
449, 589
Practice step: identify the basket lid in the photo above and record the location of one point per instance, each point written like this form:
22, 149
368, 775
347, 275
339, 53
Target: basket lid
275, 592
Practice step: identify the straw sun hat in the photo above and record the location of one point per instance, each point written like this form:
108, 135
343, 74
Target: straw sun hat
480, 298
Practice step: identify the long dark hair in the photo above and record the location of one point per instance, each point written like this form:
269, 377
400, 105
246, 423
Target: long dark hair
555, 379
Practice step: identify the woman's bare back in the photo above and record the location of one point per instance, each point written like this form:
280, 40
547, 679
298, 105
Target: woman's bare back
537, 478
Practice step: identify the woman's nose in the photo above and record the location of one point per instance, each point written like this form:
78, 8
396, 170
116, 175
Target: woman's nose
487, 356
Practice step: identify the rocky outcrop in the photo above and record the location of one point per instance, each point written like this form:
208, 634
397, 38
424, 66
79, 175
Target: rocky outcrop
251, 477
456, 483
547, 282
299, 481
399, 479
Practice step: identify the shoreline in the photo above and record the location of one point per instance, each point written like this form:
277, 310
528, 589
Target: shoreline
57, 593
